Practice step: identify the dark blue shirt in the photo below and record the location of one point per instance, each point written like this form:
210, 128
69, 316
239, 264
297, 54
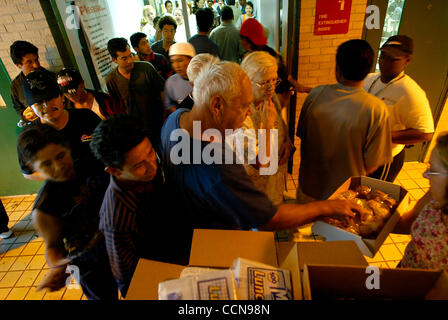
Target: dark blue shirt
213, 195
202, 44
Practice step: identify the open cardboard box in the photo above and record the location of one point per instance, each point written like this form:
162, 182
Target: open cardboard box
349, 282
218, 249
368, 247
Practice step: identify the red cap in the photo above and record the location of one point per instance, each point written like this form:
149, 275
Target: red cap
253, 30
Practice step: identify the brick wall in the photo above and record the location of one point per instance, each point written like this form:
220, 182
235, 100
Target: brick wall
317, 54
25, 20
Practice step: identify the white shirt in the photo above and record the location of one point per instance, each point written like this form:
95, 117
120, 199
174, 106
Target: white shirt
96, 109
407, 104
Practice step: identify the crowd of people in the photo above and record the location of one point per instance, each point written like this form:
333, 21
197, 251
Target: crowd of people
113, 187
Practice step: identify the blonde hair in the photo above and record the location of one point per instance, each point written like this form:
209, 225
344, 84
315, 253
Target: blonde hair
200, 61
258, 62
145, 15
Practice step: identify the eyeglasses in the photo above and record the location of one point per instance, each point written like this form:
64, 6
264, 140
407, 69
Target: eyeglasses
272, 82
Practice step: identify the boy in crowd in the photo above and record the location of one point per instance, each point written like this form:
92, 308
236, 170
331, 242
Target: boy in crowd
25, 56
201, 41
140, 43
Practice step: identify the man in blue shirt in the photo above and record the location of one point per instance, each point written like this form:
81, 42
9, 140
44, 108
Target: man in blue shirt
215, 194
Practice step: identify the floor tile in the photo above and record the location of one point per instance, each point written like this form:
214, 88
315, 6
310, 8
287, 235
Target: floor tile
27, 279
6, 263
10, 279
31, 248
21, 263
416, 174
18, 293
409, 184
40, 276
397, 238
390, 252
402, 247
24, 205
37, 263
16, 215
422, 183
72, 294
4, 293
56, 295
34, 295
417, 193
380, 264
2, 274
21, 226
15, 250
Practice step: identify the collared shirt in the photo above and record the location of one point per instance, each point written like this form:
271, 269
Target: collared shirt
176, 90
157, 47
134, 225
202, 44
227, 37
406, 101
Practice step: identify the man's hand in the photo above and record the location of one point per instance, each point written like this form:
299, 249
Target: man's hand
340, 207
56, 278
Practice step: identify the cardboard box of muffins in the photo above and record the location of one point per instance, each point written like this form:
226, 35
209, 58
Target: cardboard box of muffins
383, 203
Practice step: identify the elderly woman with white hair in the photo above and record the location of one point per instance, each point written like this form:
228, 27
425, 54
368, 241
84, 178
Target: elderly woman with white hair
261, 68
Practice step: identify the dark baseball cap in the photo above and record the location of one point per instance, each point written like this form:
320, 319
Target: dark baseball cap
39, 86
399, 45
68, 80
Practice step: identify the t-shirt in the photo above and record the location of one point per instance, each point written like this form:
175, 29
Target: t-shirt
146, 86
202, 44
78, 131
118, 88
227, 37
407, 103
176, 90
212, 195
343, 132
76, 203
141, 93
158, 48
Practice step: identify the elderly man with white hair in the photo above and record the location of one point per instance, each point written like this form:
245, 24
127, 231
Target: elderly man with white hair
214, 191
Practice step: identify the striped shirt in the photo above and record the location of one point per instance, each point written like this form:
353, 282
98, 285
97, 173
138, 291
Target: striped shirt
135, 226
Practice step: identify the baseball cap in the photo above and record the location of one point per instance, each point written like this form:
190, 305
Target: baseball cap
398, 45
68, 80
38, 86
183, 49
253, 30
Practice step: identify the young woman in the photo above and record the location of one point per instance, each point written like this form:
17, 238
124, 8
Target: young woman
427, 222
66, 213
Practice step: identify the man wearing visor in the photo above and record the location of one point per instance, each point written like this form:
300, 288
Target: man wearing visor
47, 102
410, 114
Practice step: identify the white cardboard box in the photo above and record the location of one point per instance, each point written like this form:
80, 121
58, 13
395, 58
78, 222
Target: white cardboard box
368, 247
